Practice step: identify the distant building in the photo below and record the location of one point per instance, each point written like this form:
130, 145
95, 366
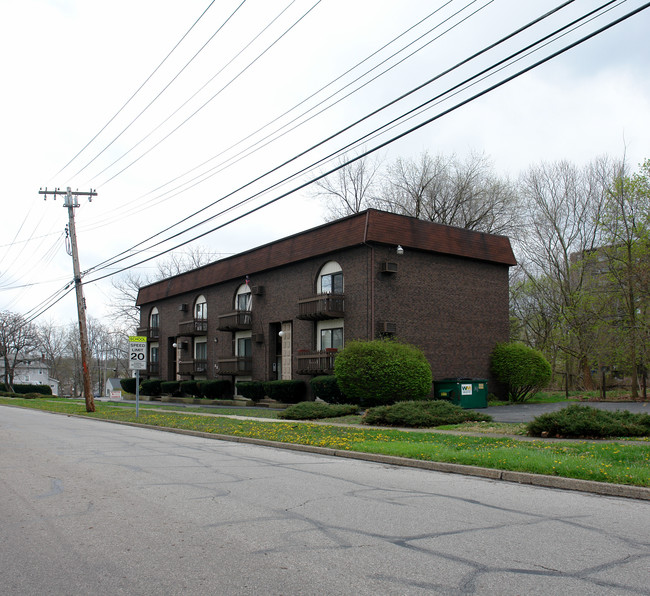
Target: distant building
282, 310
32, 370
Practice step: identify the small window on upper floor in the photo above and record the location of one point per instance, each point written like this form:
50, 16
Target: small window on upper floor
243, 300
330, 280
154, 318
201, 308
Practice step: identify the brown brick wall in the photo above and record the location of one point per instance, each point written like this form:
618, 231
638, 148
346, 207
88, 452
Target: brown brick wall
455, 309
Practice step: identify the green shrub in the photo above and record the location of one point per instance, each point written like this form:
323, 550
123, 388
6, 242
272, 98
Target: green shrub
313, 410
23, 388
251, 390
128, 385
286, 391
150, 387
216, 389
382, 372
584, 422
190, 388
523, 370
421, 414
170, 387
327, 389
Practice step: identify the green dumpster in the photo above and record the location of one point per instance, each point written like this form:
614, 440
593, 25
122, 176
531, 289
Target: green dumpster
466, 393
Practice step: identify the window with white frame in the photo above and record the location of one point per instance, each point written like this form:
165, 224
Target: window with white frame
201, 308
201, 348
243, 298
329, 334
330, 280
154, 318
153, 353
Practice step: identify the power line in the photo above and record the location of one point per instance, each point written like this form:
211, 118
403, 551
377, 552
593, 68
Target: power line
137, 90
397, 137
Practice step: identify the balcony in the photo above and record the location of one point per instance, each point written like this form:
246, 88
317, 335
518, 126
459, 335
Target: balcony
322, 306
151, 333
237, 365
316, 363
153, 368
239, 320
193, 367
193, 327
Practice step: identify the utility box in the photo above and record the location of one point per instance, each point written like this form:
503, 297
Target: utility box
466, 393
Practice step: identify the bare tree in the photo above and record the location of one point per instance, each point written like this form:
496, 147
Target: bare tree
53, 344
18, 338
350, 189
446, 190
126, 287
562, 206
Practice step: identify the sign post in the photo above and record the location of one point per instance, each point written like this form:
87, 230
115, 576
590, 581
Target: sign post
137, 362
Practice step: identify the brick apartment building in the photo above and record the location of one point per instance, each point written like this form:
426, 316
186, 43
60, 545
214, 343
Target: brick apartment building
280, 311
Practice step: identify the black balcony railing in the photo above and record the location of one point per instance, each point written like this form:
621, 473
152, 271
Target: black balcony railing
237, 365
315, 363
322, 306
193, 367
238, 320
193, 327
153, 368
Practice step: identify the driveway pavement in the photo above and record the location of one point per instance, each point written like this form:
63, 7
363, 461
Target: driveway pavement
526, 412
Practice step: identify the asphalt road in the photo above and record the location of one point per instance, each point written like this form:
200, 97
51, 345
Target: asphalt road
90, 507
526, 412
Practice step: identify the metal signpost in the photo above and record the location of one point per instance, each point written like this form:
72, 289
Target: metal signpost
137, 362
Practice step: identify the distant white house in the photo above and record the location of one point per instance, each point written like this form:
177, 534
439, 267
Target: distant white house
32, 370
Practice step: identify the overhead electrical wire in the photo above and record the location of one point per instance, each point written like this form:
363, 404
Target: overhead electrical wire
160, 93
128, 101
268, 48
393, 139
349, 127
384, 144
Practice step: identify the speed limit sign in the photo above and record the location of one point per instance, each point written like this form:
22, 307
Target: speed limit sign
137, 352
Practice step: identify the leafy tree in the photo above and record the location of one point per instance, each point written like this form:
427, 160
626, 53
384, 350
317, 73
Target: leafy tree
625, 223
523, 370
382, 372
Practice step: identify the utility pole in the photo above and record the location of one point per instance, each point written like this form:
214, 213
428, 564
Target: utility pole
70, 201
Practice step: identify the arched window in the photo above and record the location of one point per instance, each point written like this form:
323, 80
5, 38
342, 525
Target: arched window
201, 309
330, 279
243, 299
154, 319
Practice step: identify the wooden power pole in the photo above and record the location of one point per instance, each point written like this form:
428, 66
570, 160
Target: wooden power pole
70, 201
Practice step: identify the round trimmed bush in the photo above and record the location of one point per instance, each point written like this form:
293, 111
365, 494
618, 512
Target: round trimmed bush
313, 410
128, 385
381, 372
288, 391
523, 370
150, 387
580, 421
422, 414
250, 390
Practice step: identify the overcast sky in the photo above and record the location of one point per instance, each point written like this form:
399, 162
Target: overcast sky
255, 84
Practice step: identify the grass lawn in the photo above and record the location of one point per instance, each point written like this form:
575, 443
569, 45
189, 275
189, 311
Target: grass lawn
620, 462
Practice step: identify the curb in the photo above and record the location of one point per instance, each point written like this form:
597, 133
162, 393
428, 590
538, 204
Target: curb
540, 480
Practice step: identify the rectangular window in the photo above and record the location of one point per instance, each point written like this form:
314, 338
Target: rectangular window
244, 301
155, 320
331, 338
332, 284
153, 354
244, 347
201, 351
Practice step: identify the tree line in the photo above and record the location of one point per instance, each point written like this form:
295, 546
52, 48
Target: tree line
580, 292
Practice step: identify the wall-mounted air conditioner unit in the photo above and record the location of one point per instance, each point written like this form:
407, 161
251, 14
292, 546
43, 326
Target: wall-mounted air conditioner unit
389, 267
388, 327
257, 290
183, 308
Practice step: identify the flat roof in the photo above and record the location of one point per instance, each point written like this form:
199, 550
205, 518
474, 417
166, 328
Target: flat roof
370, 226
